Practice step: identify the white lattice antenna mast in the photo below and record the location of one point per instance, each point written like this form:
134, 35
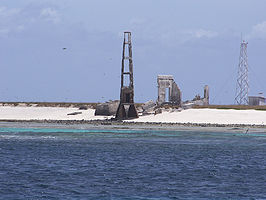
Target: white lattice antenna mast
242, 87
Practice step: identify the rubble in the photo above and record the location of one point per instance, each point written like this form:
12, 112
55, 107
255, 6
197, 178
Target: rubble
149, 106
108, 108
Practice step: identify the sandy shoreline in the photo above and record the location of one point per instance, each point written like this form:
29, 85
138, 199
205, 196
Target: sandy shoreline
46, 113
209, 116
185, 118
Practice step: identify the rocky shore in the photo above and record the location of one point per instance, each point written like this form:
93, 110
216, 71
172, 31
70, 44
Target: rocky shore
132, 123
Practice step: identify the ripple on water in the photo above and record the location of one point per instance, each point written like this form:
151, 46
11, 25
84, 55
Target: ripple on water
131, 164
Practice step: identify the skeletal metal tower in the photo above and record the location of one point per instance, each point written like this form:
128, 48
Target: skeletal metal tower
242, 87
127, 107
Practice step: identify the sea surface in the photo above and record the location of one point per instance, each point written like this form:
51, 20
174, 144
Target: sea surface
65, 163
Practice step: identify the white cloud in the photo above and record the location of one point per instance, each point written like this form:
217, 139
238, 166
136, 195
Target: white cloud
4, 32
149, 30
258, 31
20, 28
174, 37
16, 20
201, 33
50, 14
6, 13
7, 20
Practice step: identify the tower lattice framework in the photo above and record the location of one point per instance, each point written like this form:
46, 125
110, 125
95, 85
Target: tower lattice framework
242, 87
126, 108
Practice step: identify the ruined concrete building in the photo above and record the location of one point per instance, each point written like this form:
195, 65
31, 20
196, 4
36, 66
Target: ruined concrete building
166, 82
206, 98
256, 101
202, 101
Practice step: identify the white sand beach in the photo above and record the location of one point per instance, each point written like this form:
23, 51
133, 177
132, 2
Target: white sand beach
46, 113
198, 116
212, 116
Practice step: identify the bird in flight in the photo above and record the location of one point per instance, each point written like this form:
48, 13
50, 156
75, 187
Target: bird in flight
64, 48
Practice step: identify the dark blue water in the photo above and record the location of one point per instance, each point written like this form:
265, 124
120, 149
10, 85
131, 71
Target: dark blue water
131, 164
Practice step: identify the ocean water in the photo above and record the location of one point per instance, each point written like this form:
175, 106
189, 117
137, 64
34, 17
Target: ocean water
62, 163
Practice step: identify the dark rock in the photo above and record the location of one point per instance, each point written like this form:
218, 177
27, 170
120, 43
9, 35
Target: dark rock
74, 113
107, 109
83, 108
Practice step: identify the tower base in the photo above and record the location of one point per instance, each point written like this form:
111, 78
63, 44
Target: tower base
126, 111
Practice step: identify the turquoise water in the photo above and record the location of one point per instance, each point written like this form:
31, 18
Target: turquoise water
62, 163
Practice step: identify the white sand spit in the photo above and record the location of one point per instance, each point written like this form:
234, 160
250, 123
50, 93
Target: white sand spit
200, 116
212, 116
45, 113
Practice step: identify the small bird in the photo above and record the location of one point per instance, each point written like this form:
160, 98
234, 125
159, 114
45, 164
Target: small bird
64, 48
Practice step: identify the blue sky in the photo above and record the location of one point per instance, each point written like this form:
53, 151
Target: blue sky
197, 41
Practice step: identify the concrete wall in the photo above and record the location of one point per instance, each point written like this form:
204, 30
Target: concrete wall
166, 85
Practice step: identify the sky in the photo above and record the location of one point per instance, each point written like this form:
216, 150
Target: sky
196, 41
